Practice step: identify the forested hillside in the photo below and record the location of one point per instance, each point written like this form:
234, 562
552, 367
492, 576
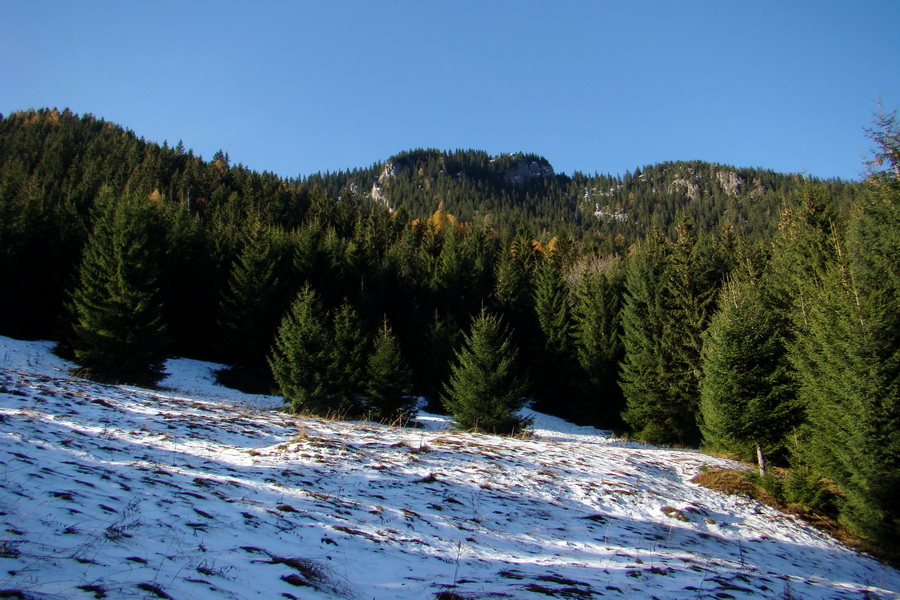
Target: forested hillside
606, 211
750, 312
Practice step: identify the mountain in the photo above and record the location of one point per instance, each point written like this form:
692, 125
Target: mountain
199, 491
507, 191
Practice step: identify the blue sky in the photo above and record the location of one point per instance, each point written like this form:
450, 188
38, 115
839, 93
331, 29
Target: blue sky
297, 87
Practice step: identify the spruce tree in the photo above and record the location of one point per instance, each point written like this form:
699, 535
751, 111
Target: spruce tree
256, 297
301, 357
484, 391
388, 379
118, 332
646, 374
554, 366
598, 343
441, 339
348, 355
848, 360
693, 278
747, 401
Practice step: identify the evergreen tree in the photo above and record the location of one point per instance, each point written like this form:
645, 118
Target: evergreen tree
747, 401
484, 391
191, 284
598, 343
301, 359
552, 307
348, 356
388, 379
554, 367
848, 361
441, 339
646, 374
256, 297
118, 331
693, 279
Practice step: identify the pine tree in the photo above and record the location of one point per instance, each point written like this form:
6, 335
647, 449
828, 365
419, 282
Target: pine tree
388, 380
118, 331
484, 392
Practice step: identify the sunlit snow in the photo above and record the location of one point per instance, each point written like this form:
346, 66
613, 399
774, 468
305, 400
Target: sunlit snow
199, 491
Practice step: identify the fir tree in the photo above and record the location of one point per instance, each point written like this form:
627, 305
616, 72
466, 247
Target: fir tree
484, 391
118, 331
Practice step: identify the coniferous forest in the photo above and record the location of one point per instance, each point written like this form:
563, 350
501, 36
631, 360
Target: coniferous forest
744, 311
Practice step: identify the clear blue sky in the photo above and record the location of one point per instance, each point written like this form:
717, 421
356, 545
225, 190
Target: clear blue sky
297, 87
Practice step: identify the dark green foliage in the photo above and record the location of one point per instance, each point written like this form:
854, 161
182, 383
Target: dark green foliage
256, 297
388, 380
301, 359
670, 293
441, 339
848, 361
319, 357
484, 391
510, 191
348, 357
847, 356
190, 284
118, 331
646, 372
747, 400
554, 367
598, 340
464, 231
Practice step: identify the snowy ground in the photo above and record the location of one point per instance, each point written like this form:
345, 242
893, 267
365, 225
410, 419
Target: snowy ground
202, 492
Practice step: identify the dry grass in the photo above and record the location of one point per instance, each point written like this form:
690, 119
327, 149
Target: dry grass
741, 483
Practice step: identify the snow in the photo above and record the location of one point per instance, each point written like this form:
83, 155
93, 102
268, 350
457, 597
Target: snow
198, 492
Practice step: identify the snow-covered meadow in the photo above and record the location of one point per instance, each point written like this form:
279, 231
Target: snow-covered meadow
202, 492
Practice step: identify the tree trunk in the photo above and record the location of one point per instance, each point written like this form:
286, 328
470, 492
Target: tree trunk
761, 460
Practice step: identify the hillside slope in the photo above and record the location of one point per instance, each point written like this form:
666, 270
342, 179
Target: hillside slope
202, 492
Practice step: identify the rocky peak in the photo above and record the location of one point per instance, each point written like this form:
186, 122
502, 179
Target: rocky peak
730, 181
522, 171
